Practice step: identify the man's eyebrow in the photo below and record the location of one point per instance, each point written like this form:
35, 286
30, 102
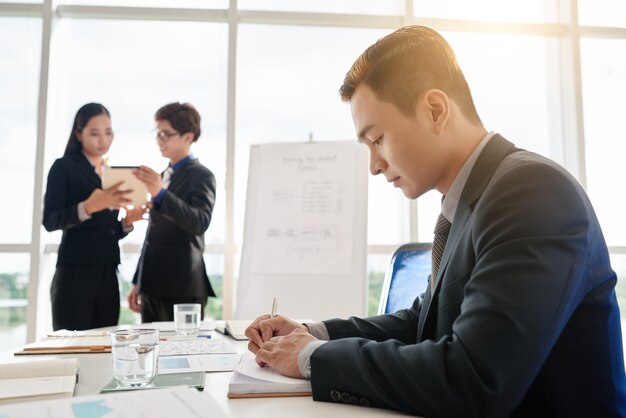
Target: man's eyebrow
361, 135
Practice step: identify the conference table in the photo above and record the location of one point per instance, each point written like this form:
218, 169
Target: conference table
95, 371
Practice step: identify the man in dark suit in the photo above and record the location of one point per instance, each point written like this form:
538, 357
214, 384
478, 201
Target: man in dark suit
520, 316
171, 268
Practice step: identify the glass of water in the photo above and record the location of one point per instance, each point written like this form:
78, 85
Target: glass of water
187, 318
134, 353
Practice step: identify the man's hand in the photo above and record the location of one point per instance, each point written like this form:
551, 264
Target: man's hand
281, 353
150, 178
134, 300
263, 328
135, 214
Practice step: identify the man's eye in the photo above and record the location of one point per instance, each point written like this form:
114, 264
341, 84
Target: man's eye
378, 141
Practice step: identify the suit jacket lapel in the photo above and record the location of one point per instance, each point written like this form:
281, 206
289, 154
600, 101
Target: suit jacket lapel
85, 166
182, 174
489, 159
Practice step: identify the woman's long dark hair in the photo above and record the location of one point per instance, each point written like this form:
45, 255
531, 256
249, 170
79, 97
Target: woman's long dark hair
81, 119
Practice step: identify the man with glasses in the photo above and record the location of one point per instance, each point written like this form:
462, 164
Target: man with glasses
171, 268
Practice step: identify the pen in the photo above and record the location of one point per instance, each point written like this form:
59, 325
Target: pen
274, 305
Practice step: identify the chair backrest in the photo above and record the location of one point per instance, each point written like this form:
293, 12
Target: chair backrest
406, 278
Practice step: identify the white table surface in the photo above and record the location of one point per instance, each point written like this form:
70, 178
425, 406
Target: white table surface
95, 371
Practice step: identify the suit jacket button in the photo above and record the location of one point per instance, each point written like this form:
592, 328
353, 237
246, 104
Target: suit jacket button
364, 402
345, 397
354, 400
335, 395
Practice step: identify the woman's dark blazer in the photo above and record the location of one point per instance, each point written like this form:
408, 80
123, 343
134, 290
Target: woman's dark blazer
71, 180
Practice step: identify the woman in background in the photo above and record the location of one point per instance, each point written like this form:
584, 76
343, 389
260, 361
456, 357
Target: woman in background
84, 291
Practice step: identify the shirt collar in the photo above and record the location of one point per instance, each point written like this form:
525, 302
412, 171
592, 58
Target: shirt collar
182, 163
450, 203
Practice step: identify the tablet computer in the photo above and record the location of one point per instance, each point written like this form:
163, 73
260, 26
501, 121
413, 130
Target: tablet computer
115, 174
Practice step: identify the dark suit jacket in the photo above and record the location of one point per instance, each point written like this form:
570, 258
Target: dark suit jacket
171, 263
70, 181
523, 320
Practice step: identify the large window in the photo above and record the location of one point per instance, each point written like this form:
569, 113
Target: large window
536, 11
602, 13
368, 7
269, 71
20, 46
604, 88
13, 299
288, 67
133, 68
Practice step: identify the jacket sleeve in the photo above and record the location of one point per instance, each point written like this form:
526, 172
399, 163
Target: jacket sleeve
194, 215
529, 234
56, 213
401, 326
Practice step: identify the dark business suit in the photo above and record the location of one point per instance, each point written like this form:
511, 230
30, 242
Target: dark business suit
171, 266
84, 291
523, 320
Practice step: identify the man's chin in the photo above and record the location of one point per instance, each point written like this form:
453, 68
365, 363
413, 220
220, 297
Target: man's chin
411, 194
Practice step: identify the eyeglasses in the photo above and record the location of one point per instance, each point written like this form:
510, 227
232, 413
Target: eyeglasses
165, 136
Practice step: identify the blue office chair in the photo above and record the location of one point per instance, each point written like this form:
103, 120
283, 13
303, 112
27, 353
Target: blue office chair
406, 278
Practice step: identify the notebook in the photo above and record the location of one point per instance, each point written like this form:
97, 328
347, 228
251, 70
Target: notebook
249, 380
38, 379
235, 328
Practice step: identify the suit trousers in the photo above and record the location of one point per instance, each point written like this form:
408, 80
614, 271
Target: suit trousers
154, 308
85, 296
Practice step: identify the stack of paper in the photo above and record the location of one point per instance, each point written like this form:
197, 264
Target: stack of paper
27, 380
249, 380
64, 342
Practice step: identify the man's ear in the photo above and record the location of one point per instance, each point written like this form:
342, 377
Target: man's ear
188, 137
438, 106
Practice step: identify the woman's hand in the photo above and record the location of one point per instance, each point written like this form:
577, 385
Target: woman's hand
111, 197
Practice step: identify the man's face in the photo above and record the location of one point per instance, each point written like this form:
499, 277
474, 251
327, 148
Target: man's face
172, 144
405, 149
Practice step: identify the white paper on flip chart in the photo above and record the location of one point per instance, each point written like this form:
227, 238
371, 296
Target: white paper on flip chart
160, 403
309, 209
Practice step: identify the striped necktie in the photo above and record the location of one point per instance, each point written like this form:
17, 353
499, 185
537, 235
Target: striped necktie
167, 176
442, 229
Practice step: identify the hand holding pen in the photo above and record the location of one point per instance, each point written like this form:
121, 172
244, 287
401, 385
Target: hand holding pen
270, 325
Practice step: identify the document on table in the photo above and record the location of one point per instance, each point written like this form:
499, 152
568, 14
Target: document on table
163, 403
196, 346
198, 363
38, 378
168, 326
69, 342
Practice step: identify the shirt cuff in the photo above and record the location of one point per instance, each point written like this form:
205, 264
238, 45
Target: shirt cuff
304, 357
159, 197
319, 330
82, 213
